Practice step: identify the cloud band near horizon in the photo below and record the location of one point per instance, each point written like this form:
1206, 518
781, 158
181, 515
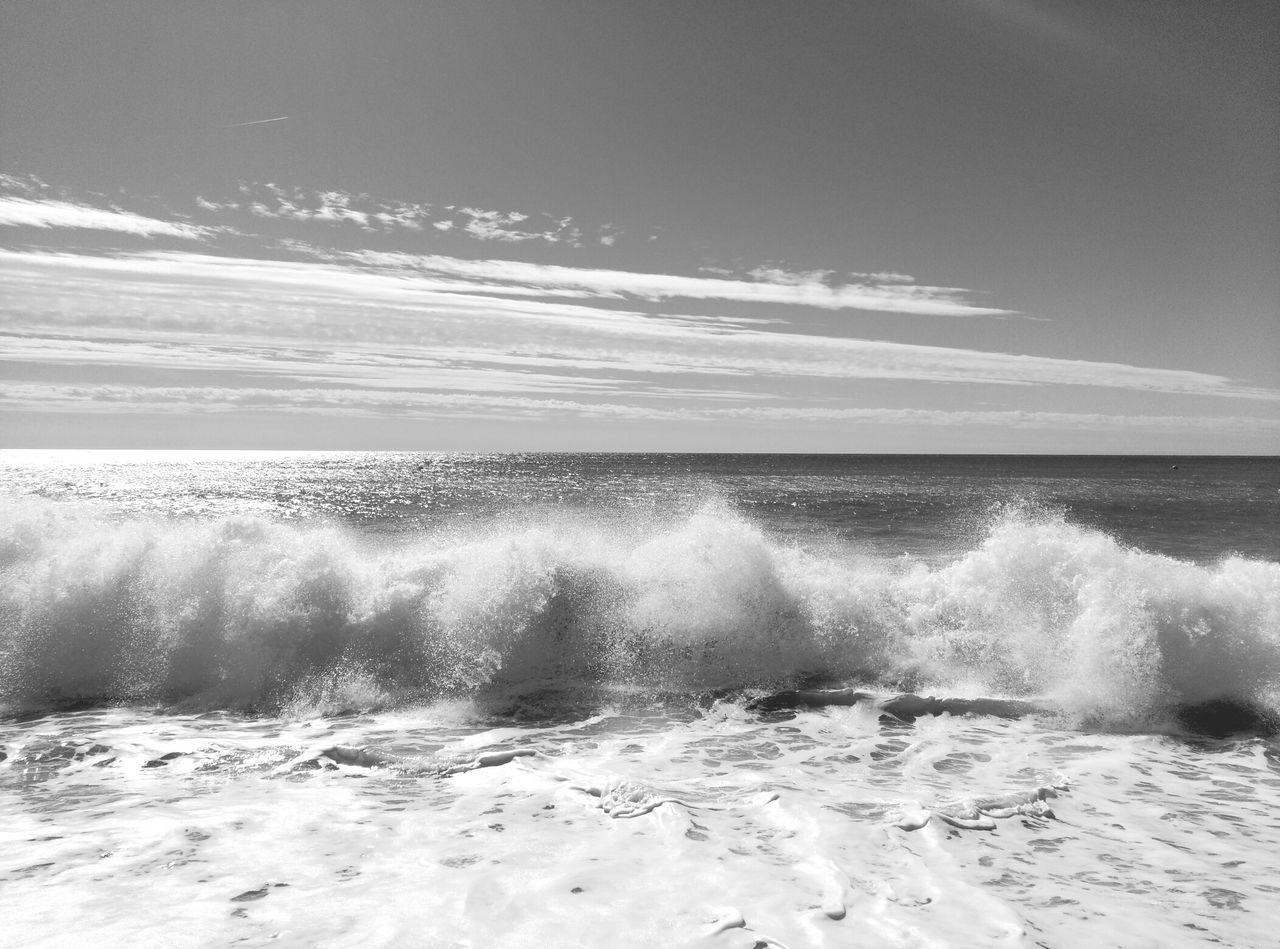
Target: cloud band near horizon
261, 325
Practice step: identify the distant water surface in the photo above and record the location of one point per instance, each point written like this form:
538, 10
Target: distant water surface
1199, 508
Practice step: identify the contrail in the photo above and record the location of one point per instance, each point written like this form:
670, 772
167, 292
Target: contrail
279, 118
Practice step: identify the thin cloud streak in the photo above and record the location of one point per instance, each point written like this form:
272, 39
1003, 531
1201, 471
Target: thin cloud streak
240, 125
418, 404
23, 212
247, 302
228, 363
802, 290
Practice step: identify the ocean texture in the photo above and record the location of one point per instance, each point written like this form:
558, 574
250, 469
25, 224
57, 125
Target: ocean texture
323, 678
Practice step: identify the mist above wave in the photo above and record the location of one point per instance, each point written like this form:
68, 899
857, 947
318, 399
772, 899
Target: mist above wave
259, 614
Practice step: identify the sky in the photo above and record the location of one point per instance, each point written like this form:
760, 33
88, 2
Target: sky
857, 226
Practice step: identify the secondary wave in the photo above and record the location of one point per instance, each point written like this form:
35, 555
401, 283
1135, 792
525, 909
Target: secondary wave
251, 613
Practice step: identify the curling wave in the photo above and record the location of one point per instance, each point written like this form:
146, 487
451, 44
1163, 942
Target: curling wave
253, 613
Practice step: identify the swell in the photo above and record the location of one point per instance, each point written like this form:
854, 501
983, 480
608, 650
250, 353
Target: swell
256, 614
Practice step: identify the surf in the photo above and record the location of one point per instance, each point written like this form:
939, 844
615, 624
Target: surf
256, 613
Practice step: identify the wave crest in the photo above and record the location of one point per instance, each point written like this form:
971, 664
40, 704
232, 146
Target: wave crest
252, 613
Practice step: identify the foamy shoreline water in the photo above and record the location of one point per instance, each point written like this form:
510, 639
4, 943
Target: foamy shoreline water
392, 701
788, 833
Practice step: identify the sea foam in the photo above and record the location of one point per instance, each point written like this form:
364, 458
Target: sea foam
255, 613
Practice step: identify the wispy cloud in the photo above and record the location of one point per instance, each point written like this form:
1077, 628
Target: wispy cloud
405, 317
426, 404
30, 202
273, 201
26, 212
240, 125
34, 203
269, 319
771, 286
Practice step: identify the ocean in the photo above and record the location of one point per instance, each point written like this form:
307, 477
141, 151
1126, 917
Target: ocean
404, 699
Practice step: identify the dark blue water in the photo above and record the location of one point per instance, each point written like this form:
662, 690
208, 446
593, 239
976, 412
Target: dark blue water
1198, 508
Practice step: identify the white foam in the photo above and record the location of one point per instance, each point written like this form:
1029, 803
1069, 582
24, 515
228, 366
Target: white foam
759, 832
253, 612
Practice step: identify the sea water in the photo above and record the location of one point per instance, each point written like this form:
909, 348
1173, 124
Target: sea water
469, 700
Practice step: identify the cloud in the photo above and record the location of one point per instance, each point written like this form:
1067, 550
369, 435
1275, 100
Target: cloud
343, 331
790, 278
230, 362
28, 201
497, 226
25, 212
271, 201
779, 273
425, 404
240, 125
773, 287
30, 204
27, 186
317, 308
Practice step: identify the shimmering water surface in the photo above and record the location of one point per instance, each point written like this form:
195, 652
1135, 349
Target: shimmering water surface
256, 699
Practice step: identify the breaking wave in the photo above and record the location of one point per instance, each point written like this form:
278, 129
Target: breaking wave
257, 614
